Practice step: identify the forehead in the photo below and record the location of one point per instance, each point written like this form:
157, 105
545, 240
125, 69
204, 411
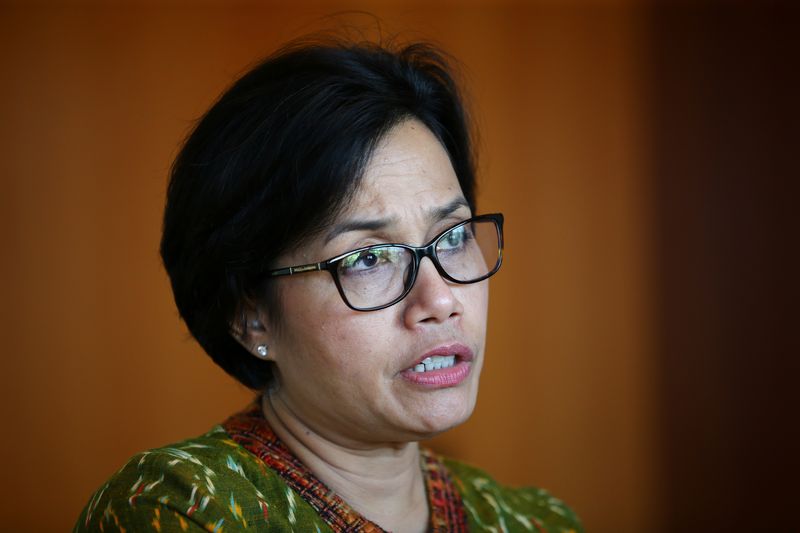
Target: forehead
409, 172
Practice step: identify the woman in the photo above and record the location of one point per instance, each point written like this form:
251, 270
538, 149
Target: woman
356, 160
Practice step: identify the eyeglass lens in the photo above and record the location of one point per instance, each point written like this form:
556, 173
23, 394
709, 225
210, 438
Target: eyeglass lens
379, 275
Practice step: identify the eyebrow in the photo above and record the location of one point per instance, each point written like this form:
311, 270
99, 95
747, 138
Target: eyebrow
440, 213
434, 215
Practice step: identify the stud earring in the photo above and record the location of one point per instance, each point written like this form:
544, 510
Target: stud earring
262, 350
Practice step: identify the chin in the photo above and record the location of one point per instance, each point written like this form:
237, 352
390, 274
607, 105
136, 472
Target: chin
443, 416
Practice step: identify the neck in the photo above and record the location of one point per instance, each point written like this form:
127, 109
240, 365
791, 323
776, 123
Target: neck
382, 483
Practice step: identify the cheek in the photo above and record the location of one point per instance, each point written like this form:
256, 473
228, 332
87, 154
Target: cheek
476, 301
321, 334
354, 341
476, 306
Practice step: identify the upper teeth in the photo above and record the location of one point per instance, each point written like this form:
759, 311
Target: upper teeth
435, 363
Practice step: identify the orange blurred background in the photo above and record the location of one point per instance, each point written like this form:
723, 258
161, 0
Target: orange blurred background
641, 358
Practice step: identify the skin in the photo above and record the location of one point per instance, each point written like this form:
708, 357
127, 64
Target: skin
340, 400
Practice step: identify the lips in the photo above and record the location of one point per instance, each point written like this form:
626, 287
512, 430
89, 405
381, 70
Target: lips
461, 353
444, 366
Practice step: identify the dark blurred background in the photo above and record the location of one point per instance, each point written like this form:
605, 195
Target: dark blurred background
642, 356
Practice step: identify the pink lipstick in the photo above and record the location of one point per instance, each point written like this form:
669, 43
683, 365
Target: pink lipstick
444, 366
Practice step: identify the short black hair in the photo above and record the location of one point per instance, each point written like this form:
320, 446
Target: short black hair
274, 160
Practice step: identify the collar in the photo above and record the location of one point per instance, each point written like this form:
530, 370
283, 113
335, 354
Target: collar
250, 430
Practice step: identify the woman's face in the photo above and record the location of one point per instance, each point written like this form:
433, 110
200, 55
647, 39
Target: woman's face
349, 375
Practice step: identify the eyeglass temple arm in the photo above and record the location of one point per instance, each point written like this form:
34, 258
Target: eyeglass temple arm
297, 269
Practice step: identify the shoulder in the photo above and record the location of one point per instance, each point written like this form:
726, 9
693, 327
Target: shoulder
204, 483
492, 505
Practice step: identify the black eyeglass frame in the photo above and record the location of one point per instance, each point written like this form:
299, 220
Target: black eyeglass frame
419, 252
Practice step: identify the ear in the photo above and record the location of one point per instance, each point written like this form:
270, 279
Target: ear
251, 331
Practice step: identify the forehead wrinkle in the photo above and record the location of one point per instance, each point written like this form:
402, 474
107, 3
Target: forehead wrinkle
395, 172
408, 179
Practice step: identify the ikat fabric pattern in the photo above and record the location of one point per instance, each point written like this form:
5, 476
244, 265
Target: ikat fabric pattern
251, 431
240, 477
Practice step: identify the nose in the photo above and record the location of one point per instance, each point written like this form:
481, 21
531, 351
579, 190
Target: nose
431, 300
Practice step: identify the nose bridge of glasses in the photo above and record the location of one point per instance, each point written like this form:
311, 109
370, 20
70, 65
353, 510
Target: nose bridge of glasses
428, 251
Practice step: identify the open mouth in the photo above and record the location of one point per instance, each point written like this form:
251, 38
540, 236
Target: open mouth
435, 362
444, 366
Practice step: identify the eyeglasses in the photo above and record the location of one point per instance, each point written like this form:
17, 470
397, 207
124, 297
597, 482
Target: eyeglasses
376, 277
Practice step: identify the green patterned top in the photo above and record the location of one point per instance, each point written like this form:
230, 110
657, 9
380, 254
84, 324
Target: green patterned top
240, 477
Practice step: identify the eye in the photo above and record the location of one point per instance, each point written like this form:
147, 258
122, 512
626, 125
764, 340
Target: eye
367, 261
455, 238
